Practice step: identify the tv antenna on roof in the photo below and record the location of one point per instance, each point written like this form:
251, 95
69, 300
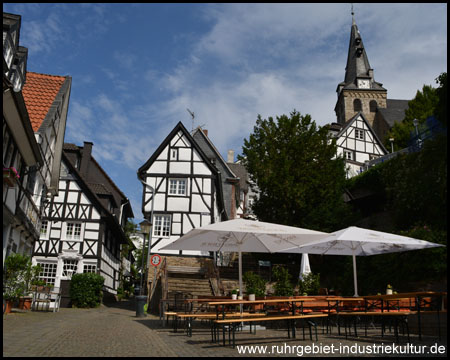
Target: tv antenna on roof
193, 116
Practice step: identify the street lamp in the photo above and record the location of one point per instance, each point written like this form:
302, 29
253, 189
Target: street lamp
151, 215
145, 229
419, 140
392, 144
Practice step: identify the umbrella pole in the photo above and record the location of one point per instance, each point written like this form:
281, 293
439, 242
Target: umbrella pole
240, 277
355, 281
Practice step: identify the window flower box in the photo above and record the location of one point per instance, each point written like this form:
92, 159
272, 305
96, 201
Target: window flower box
10, 176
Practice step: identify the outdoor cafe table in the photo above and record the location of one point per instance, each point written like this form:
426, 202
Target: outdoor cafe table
420, 301
293, 301
341, 301
205, 300
290, 300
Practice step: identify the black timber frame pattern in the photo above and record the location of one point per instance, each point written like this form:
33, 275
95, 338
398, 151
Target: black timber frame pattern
215, 178
347, 133
59, 212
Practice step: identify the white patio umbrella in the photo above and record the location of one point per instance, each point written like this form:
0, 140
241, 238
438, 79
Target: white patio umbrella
305, 269
241, 235
357, 241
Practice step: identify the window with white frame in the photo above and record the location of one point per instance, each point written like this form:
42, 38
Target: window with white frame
174, 154
70, 267
73, 231
90, 268
177, 186
48, 272
161, 227
348, 155
359, 134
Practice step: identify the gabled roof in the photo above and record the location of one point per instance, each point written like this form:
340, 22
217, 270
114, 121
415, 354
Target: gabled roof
39, 92
161, 147
352, 120
217, 154
100, 188
92, 191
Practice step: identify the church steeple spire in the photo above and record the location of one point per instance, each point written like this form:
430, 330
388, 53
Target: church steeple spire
357, 62
359, 91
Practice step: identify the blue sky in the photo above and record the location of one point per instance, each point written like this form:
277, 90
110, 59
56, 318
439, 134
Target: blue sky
136, 67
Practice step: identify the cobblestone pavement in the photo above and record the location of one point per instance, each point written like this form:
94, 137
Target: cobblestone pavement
116, 331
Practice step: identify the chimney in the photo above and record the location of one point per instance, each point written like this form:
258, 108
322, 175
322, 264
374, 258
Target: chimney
85, 157
230, 156
205, 132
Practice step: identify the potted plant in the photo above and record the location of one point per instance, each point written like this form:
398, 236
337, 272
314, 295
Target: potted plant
10, 175
254, 285
310, 284
234, 294
19, 278
389, 290
13, 278
283, 286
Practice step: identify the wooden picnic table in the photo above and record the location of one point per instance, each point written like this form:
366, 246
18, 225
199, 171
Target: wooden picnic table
293, 301
420, 298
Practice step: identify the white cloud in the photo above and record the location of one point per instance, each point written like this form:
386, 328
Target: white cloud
272, 58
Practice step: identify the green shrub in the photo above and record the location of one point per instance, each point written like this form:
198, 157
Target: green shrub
283, 286
19, 275
86, 290
310, 284
254, 284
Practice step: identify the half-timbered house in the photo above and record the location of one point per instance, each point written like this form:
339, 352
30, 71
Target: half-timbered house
43, 100
20, 149
82, 227
187, 190
357, 143
230, 183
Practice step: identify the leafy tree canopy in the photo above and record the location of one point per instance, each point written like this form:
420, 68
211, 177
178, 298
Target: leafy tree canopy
441, 109
421, 107
291, 162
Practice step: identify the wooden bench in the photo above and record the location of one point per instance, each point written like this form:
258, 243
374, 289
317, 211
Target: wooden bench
398, 316
189, 317
233, 323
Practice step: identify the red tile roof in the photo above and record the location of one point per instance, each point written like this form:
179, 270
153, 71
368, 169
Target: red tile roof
39, 92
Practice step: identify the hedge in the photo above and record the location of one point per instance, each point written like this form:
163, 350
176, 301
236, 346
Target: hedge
86, 290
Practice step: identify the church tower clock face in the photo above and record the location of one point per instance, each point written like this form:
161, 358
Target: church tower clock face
363, 84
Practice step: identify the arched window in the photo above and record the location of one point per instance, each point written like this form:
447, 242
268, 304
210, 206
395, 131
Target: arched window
373, 106
357, 105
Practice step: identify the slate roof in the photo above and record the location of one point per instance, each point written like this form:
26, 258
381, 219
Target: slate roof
39, 93
358, 63
394, 112
241, 172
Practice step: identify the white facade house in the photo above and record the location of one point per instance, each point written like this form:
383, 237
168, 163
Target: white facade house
358, 144
82, 227
187, 191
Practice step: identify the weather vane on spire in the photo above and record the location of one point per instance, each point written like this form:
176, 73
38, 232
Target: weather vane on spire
353, 14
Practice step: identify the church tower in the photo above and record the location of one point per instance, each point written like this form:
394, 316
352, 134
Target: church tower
359, 91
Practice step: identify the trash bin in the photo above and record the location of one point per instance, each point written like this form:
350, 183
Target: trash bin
141, 300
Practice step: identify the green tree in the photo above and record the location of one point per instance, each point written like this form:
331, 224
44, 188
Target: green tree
129, 229
421, 107
299, 183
